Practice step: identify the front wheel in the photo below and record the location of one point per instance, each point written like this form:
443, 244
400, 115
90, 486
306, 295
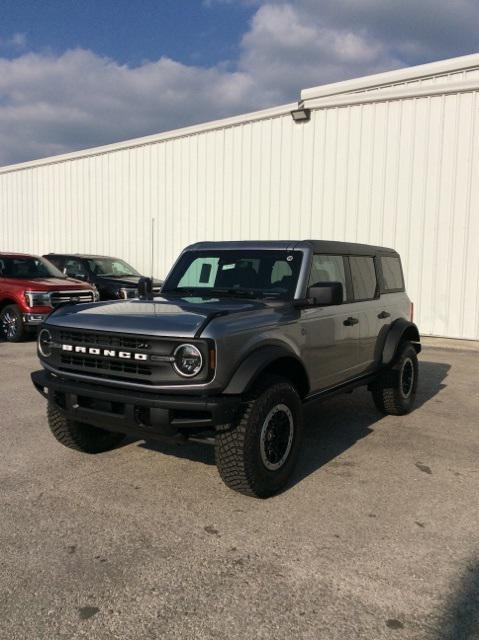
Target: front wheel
80, 436
394, 392
12, 327
257, 453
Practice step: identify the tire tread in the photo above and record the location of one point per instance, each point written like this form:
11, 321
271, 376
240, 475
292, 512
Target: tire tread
78, 436
385, 391
236, 468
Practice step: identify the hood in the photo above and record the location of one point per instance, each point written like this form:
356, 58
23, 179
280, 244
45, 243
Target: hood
53, 284
173, 316
125, 281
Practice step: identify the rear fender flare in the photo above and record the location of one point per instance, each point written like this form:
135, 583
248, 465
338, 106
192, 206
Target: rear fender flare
400, 329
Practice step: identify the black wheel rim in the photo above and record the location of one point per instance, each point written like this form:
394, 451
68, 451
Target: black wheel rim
9, 325
407, 377
276, 437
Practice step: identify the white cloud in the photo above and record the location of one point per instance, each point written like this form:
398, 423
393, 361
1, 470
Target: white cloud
56, 103
53, 104
16, 42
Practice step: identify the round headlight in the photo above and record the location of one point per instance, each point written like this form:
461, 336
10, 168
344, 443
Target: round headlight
188, 360
45, 343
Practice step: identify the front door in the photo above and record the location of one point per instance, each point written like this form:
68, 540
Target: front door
331, 335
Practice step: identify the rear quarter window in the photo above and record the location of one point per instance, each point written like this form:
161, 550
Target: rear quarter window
392, 274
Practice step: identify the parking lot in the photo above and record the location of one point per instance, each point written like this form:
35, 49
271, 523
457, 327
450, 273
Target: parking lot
377, 536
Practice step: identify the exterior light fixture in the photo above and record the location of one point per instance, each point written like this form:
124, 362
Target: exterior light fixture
301, 115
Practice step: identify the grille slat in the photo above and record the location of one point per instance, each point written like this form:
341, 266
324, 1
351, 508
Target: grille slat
59, 297
129, 368
98, 340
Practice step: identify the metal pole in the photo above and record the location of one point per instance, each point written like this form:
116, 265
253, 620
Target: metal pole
152, 246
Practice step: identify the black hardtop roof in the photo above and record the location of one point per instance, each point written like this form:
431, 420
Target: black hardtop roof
318, 246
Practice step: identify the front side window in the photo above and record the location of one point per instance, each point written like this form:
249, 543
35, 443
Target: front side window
27, 268
363, 276
111, 267
328, 269
392, 274
75, 267
262, 273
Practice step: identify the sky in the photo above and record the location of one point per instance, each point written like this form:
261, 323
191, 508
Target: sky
81, 73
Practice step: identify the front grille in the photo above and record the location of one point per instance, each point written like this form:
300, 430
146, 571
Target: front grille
104, 340
60, 297
103, 365
142, 359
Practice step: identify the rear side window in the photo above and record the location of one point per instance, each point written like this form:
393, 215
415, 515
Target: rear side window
328, 269
392, 274
363, 276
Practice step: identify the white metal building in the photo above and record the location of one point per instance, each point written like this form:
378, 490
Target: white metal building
389, 159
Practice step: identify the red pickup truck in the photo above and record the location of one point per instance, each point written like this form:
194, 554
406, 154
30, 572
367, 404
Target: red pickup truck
30, 288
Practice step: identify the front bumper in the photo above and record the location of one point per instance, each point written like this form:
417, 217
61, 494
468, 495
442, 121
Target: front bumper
137, 413
35, 319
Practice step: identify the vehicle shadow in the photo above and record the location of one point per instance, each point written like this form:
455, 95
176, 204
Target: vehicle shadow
331, 428
460, 620
337, 424
195, 451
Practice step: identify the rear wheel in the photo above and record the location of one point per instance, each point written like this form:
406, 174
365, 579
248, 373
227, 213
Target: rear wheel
395, 391
80, 436
12, 327
257, 453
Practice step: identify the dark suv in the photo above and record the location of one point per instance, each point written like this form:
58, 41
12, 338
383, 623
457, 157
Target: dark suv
114, 278
243, 335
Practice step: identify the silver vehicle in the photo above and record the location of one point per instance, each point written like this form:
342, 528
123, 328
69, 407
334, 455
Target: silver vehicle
243, 335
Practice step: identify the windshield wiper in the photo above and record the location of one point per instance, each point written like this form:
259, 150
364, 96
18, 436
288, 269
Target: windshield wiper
216, 291
237, 291
184, 291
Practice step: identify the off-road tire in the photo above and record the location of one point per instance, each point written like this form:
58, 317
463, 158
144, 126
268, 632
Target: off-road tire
239, 449
80, 436
394, 392
20, 331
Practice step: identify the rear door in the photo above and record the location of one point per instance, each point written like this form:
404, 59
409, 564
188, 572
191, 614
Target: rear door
331, 338
365, 290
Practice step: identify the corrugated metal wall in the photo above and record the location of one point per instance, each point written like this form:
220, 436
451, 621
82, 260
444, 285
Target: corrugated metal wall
401, 173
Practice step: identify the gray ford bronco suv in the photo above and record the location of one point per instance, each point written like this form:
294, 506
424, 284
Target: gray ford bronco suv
242, 336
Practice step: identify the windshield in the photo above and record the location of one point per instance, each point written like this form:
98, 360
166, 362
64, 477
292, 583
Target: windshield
112, 267
255, 274
27, 268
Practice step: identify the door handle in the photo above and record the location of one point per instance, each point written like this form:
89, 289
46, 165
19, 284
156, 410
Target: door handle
350, 321
384, 314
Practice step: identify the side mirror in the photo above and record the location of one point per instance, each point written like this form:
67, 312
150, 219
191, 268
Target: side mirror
145, 289
323, 294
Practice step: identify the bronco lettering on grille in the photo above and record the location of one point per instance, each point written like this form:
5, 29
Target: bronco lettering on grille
107, 353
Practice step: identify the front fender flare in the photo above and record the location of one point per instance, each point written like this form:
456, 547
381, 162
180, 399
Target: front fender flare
400, 329
254, 363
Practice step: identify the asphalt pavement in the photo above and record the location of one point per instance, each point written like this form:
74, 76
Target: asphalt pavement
376, 537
